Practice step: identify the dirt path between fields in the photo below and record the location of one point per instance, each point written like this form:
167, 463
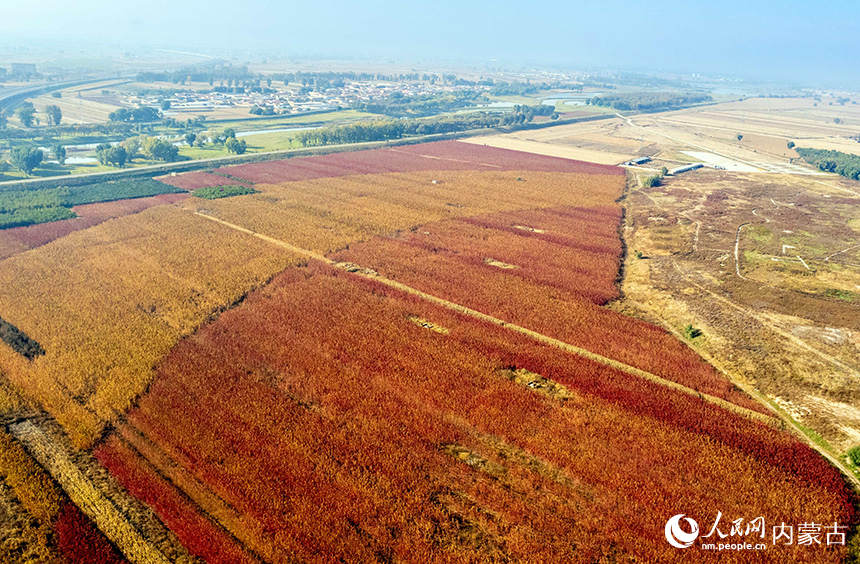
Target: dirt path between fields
371, 275
796, 340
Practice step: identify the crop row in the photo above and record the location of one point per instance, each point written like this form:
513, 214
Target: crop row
107, 302
196, 179
556, 290
28, 207
328, 214
18, 239
217, 192
49, 525
321, 411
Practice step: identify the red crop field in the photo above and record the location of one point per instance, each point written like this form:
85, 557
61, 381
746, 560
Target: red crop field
200, 536
341, 428
556, 289
79, 541
420, 366
442, 155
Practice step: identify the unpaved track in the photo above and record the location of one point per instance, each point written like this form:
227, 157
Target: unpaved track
371, 275
85, 494
786, 419
795, 340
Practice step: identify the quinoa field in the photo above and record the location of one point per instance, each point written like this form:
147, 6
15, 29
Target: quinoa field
395, 355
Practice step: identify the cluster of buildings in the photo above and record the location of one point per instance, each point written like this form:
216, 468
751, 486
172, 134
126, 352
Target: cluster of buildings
292, 98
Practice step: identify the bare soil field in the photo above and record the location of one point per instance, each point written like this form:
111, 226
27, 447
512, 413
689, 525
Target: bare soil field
605, 142
766, 126
768, 267
80, 104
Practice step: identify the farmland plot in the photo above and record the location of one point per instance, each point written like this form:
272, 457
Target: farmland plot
108, 302
295, 373
310, 373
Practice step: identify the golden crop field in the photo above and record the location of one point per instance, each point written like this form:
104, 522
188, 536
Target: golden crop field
328, 213
108, 302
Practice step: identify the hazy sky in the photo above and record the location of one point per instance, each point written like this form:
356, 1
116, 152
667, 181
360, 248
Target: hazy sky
809, 40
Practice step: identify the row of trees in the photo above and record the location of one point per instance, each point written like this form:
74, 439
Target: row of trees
26, 113
27, 158
844, 164
383, 130
154, 148
142, 114
400, 105
648, 101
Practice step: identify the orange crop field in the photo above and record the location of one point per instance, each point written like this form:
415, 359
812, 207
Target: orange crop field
108, 302
400, 354
295, 432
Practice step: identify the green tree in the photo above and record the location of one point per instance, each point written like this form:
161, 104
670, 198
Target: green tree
664, 171
854, 455
790, 145
117, 156
55, 115
132, 147
236, 146
651, 181
102, 152
165, 104
26, 113
190, 138
112, 155
691, 332
229, 132
26, 159
60, 153
160, 149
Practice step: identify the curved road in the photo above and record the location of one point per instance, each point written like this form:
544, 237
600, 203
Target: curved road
9, 97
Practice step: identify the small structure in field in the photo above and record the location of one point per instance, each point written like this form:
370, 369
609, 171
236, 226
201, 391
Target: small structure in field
639, 161
685, 168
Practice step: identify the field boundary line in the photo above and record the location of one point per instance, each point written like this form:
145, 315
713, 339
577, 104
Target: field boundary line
753, 392
86, 495
612, 363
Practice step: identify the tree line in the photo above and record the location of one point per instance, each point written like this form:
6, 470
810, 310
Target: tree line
844, 164
387, 129
648, 101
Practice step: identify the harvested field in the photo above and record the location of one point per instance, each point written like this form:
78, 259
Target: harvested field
475, 460
602, 142
772, 322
